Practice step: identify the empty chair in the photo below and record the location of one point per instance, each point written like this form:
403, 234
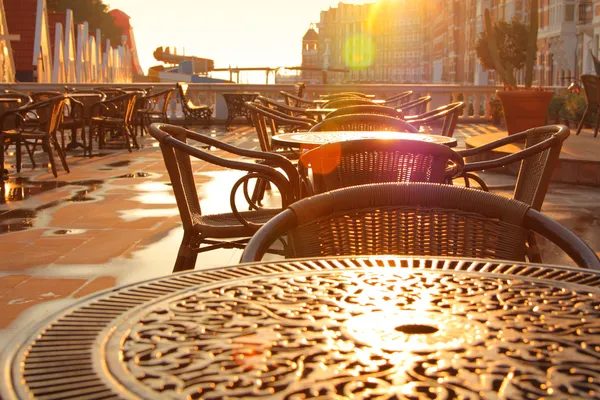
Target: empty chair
115, 116
413, 219
442, 120
537, 161
346, 101
591, 85
343, 95
366, 109
155, 108
399, 99
110, 92
358, 162
193, 112
227, 230
363, 122
80, 104
43, 96
296, 101
286, 109
416, 106
33, 123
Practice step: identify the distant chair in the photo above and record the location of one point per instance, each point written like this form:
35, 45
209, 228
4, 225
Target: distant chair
346, 101
202, 232
110, 92
442, 120
115, 116
399, 99
284, 108
45, 95
80, 104
33, 123
366, 109
156, 108
413, 219
591, 84
364, 122
343, 95
191, 111
416, 106
292, 100
358, 162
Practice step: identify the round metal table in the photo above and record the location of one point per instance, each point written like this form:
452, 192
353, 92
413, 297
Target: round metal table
310, 140
364, 327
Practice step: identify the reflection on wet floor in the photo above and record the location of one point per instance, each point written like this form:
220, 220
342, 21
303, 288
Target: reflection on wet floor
18, 189
117, 164
134, 175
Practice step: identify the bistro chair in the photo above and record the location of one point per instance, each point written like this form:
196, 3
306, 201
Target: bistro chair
155, 108
191, 111
286, 109
413, 219
591, 85
363, 122
227, 230
358, 162
346, 101
538, 159
33, 123
441, 121
115, 116
365, 109
110, 92
292, 100
416, 106
43, 96
78, 116
399, 99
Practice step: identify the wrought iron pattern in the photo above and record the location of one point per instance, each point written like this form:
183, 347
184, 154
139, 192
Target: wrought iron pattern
363, 327
235, 105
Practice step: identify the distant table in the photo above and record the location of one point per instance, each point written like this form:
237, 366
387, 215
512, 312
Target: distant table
235, 105
361, 327
310, 140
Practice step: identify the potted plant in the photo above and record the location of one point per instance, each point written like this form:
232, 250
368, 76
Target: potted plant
506, 48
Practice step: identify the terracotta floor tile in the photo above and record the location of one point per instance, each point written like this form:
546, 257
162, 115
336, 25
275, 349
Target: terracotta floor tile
33, 292
96, 285
8, 283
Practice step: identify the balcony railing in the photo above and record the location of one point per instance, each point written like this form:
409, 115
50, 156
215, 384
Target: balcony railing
477, 98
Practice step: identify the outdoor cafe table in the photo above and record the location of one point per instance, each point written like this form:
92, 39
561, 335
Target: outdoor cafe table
310, 140
360, 327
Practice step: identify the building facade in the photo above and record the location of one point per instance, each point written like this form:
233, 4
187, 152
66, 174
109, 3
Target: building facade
433, 41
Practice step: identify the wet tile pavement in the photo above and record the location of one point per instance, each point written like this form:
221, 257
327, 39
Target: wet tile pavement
113, 220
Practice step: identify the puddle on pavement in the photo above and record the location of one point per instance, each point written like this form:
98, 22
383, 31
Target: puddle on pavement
23, 189
117, 164
135, 175
60, 232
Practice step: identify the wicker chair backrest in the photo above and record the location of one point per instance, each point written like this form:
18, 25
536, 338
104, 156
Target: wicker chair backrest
366, 109
416, 106
363, 122
86, 100
343, 95
446, 116
359, 162
409, 219
591, 84
346, 101
400, 98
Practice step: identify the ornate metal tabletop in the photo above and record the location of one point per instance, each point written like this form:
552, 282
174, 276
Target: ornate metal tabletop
309, 140
376, 327
235, 105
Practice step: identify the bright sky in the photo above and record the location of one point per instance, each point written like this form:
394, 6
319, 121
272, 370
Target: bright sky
246, 33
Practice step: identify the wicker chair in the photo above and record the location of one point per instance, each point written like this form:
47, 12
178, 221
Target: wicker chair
366, 109
80, 103
208, 232
267, 123
283, 108
399, 99
442, 120
358, 162
114, 115
591, 84
156, 108
416, 106
27, 125
296, 122
292, 100
346, 101
363, 122
110, 92
43, 96
416, 219
538, 160
191, 111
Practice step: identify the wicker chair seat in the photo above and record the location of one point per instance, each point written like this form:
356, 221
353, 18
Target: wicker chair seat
226, 225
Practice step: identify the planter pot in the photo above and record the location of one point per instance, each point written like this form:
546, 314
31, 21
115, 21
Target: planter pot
524, 109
